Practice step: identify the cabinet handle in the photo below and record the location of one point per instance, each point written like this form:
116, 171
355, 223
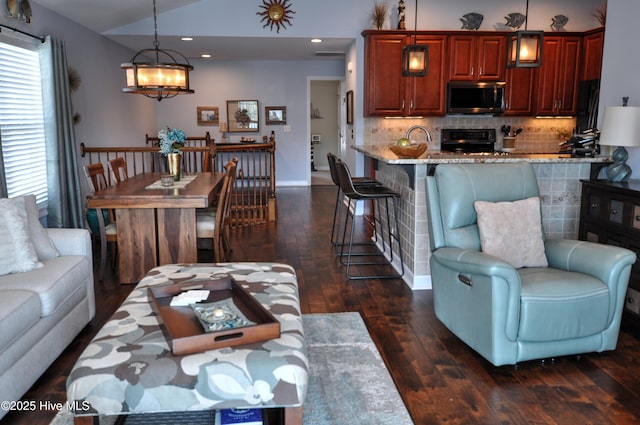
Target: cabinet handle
472, 70
614, 211
637, 218
630, 300
411, 104
480, 71
402, 104
594, 205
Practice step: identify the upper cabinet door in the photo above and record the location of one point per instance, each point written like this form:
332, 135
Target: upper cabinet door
477, 58
384, 85
558, 75
426, 94
592, 47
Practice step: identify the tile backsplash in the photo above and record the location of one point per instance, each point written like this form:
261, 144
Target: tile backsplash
539, 135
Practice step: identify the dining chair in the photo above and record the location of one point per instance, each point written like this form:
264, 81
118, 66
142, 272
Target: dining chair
119, 168
97, 180
214, 224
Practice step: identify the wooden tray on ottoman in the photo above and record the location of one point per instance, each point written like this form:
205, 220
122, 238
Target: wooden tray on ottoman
184, 331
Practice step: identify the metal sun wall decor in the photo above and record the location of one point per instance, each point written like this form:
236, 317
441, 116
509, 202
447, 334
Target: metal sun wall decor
276, 13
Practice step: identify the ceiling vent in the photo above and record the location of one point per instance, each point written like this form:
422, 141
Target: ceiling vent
329, 54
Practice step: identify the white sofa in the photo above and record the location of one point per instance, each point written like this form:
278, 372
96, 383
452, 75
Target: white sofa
44, 309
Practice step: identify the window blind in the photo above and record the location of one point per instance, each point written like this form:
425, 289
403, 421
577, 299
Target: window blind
22, 129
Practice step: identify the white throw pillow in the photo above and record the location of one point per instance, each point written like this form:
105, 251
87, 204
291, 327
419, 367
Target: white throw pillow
45, 249
512, 231
17, 253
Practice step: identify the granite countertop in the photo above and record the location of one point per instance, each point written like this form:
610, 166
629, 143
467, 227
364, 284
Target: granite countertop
382, 153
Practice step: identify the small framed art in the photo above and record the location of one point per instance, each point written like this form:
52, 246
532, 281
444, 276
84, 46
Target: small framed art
243, 115
276, 114
350, 107
208, 115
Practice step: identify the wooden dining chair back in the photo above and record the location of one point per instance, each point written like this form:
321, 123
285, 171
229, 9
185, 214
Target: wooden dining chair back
214, 224
119, 169
107, 231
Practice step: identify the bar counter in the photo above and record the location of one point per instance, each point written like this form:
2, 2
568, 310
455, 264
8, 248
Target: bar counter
558, 176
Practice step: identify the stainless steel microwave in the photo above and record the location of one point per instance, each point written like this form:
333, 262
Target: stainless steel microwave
469, 97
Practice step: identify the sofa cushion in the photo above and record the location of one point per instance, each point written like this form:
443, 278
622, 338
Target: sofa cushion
19, 311
55, 282
512, 231
45, 249
550, 296
17, 253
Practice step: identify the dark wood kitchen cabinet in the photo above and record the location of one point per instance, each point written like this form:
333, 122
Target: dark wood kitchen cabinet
592, 47
520, 91
610, 214
557, 84
477, 57
387, 92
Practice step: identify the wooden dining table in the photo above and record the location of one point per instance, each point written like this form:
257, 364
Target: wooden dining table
155, 226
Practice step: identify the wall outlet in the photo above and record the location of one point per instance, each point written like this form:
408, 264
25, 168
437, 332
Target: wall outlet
286, 128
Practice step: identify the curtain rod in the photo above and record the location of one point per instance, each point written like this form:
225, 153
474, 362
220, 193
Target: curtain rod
37, 37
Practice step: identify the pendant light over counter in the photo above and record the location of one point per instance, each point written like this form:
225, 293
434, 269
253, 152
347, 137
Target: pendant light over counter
525, 47
414, 57
163, 78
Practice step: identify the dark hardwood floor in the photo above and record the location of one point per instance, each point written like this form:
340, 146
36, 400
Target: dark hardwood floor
440, 379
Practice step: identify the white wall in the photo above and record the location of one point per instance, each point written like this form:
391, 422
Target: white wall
620, 64
272, 83
108, 116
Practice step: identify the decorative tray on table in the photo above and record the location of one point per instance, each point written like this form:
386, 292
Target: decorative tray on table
228, 316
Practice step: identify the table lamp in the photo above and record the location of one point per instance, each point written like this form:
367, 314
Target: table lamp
223, 130
620, 127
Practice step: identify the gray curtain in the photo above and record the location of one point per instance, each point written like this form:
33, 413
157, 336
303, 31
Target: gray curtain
65, 201
3, 179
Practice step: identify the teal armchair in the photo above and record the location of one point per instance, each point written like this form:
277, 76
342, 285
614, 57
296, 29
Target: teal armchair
572, 305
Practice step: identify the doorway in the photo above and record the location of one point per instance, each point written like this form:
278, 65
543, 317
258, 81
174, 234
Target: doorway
326, 127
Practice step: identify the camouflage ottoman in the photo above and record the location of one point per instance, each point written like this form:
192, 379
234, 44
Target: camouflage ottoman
129, 367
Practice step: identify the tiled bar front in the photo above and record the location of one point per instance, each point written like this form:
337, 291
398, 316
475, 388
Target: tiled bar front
560, 193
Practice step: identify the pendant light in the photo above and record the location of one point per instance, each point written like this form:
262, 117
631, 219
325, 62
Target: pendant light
525, 47
165, 77
414, 57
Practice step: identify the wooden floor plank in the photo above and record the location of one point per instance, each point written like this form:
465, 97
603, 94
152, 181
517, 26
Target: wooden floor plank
440, 379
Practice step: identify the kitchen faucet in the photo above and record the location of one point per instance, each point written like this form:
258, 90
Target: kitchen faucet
415, 127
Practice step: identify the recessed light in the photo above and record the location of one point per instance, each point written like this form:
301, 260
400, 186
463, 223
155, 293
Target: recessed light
187, 39
205, 55
316, 40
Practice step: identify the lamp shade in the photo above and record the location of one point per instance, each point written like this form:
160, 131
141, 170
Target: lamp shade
414, 60
620, 126
525, 49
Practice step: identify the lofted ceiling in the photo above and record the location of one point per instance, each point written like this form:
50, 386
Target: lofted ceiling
102, 16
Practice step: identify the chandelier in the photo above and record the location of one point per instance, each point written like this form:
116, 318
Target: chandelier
525, 47
165, 77
414, 56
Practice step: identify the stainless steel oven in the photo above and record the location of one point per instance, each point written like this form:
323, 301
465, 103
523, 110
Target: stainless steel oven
468, 140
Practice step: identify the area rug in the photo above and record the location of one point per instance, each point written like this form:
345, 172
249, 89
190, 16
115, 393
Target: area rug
348, 384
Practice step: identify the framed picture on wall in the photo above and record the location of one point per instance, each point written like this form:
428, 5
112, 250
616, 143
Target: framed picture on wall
208, 115
243, 115
275, 114
350, 107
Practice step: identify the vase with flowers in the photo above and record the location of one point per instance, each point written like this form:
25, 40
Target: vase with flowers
171, 141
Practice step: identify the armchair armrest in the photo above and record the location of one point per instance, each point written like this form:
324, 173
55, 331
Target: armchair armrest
469, 261
610, 264
492, 283
601, 261
72, 241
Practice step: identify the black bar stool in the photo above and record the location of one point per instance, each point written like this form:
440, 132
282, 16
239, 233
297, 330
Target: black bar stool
337, 211
368, 193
